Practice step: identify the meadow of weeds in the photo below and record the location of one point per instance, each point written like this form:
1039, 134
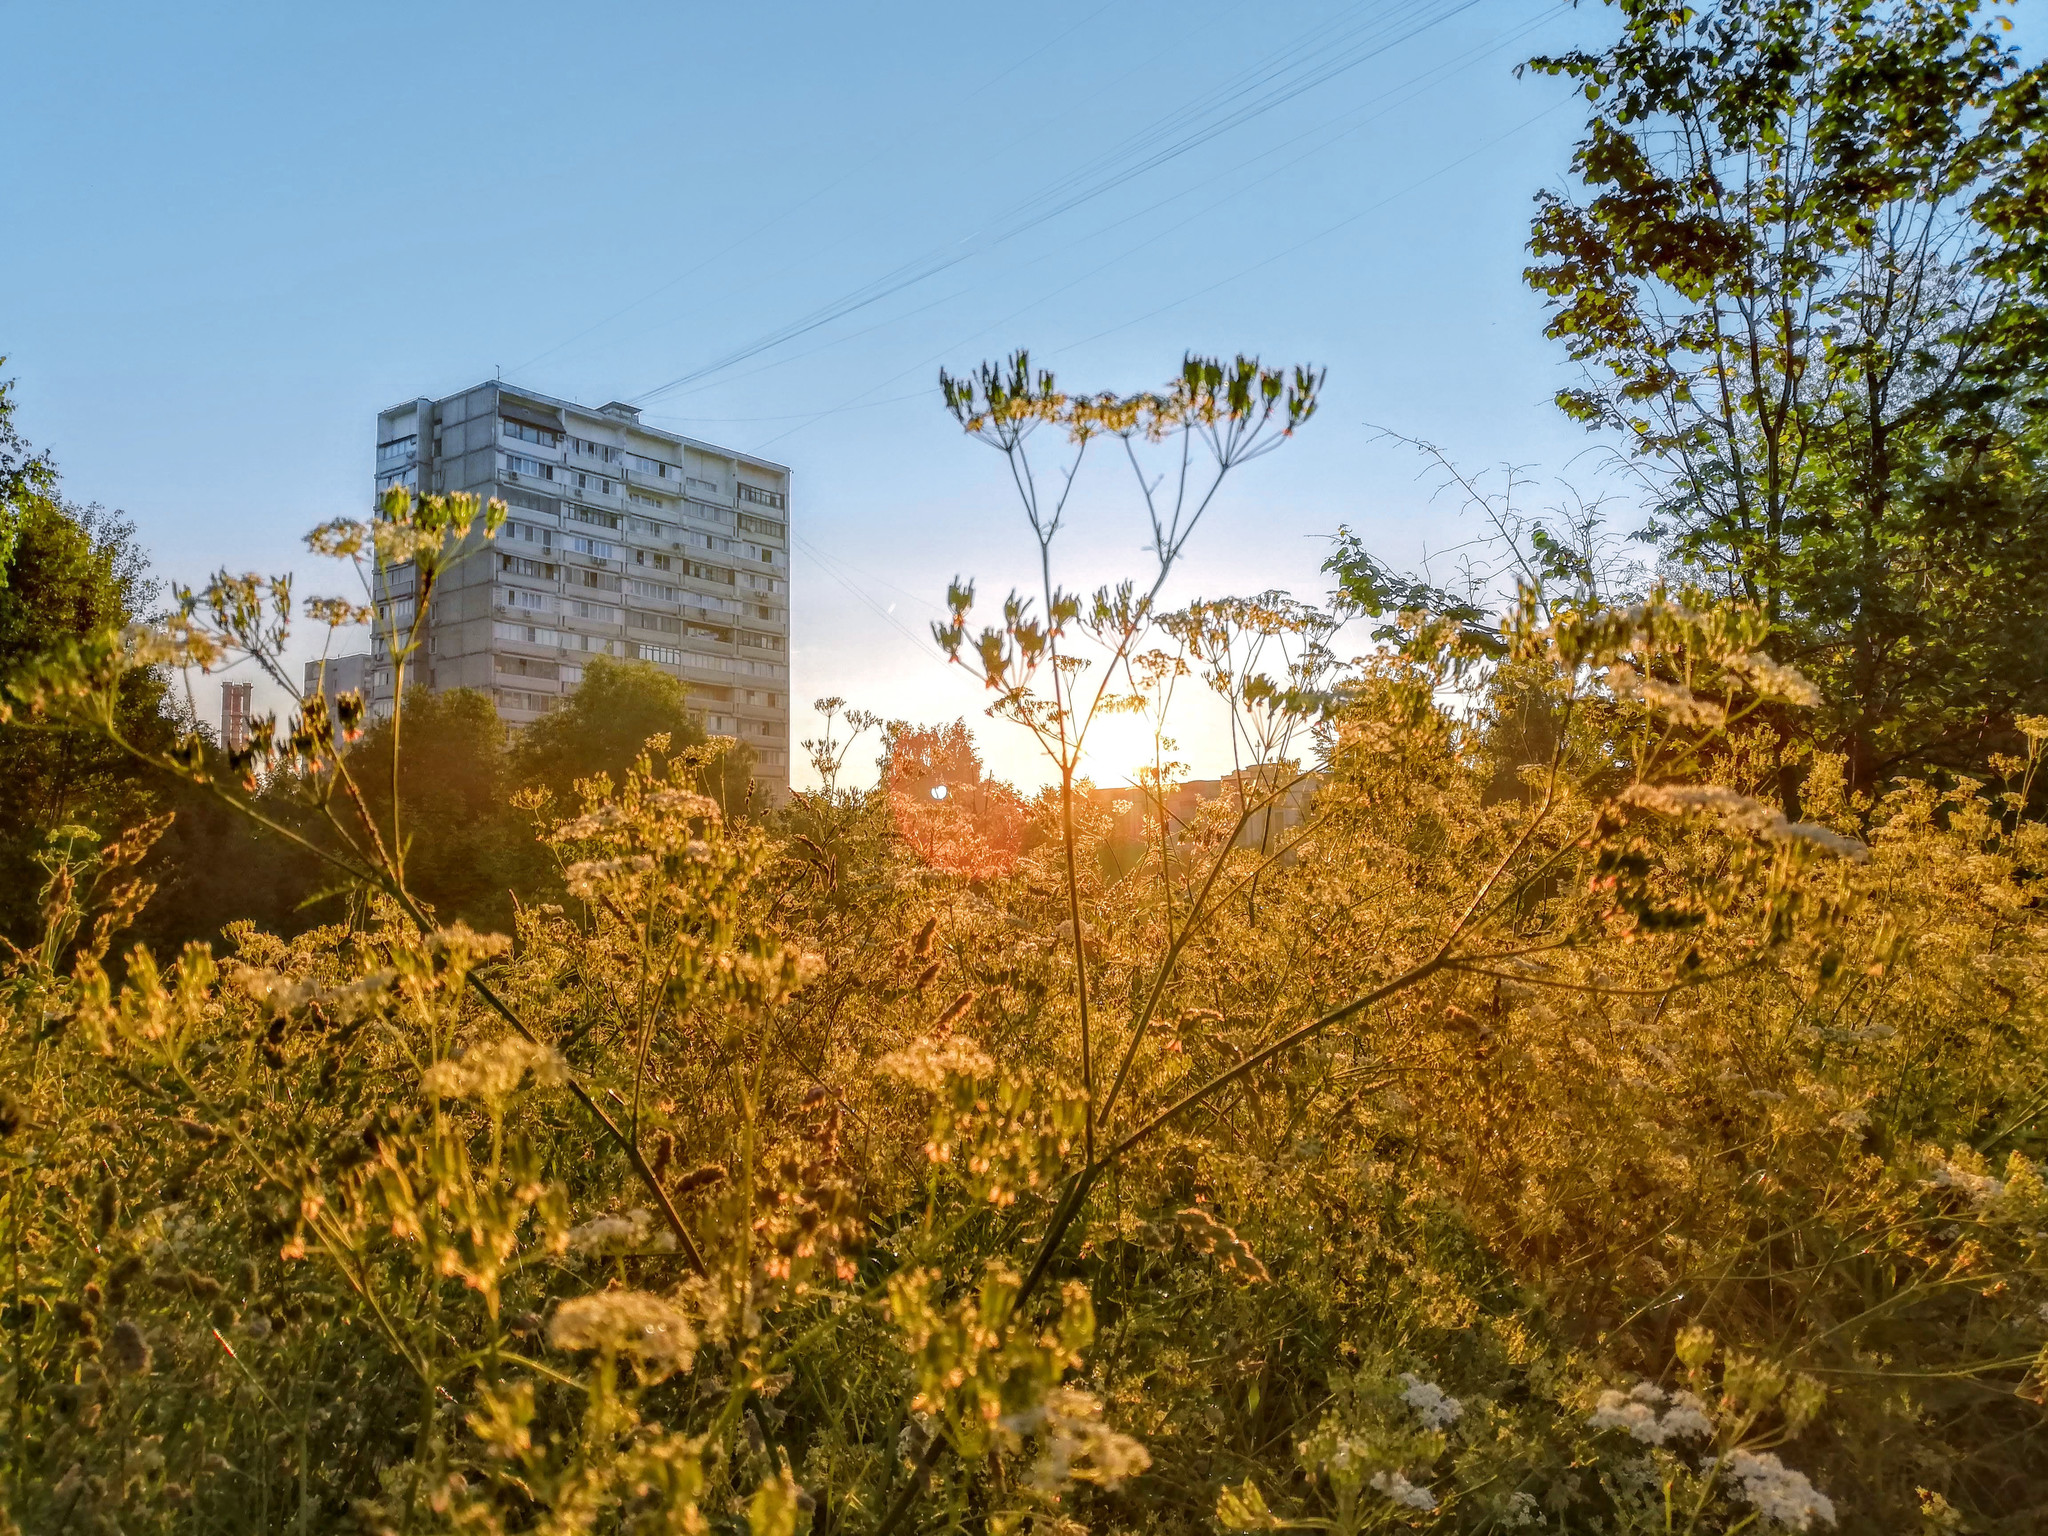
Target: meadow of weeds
1546, 1131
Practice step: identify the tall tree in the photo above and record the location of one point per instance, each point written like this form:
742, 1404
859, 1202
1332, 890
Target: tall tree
1805, 279
606, 723
65, 572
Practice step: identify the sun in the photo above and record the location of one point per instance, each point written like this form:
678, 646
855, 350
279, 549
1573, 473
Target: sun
1116, 748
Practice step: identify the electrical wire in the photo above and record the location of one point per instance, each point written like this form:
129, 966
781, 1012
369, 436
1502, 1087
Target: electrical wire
1302, 66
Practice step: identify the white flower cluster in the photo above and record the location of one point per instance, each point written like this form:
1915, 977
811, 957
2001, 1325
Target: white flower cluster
1396, 1486
633, 1232
926, 1063
491, 1072
644, 1328
1982, 1188
1637, 1412
1779, 1494
1431, 1405
1741, 813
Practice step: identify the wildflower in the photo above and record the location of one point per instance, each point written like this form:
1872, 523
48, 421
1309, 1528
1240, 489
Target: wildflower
589, 878
615, 1234
1637, 1412
1772, 678
642, 1327
926, 1064
1522, 1510
1678, 704
1779, 1494
1397, 1487
1431, 1405
491, 1072
1741, 813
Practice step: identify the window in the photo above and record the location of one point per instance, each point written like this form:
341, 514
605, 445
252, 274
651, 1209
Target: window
409, 477
597, 549
653, 589
397, 615
646, 500
572, 673
525, 634
515, 698
768, 528
654, 467
604, 453
526, 666
759, 583
667, 655
520, 566
650, 527
598, 613
397, 449
704, 572
540, 437
759, 641
704, 488
640, 618
659, 562
594, 579
529, 501
597, 483
528, 533
519, 597
520, 464
592, 516
760, 496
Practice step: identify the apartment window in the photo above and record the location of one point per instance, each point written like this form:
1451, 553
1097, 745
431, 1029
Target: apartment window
760, 583
519, 597
760, 642
529, 501
597, 549
604, 453
515, 698
640, 618
648, 526
597, 483
766, 527
397, 449
598, 613
592, 516
398, 614
528, 533
540, 437
760, 496
706, 632
704, 572
525, 634
520, 464
653, 589
659, 562
525, 666
518, 565
594, 579
667, 655
572, 673
653, 467
409, 477
703, 488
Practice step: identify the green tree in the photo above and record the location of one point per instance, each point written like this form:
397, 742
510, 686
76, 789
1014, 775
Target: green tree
467, 849
604, 725
1804, 282
65, 572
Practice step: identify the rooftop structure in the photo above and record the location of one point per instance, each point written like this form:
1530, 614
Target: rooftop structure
623, 540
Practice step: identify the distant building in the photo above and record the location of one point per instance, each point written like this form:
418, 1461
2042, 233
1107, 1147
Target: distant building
337, 675
624, 540
1282, 794
234, 715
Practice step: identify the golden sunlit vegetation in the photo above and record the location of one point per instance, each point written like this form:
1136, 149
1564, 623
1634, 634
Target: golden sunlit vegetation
1585, 1070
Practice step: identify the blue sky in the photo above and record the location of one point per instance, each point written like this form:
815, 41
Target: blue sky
236, 232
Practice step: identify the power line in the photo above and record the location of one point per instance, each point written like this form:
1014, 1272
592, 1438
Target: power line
1310, 59
831, 186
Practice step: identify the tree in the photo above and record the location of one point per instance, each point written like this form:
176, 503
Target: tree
467, 848
1807, 291
605, 724
65, 572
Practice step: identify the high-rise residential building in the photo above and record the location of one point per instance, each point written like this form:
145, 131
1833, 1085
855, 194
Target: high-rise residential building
336, 675
623, 540
234, 714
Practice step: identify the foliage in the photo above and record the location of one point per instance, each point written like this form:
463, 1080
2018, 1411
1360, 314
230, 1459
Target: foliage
1612, 1154
1805, 284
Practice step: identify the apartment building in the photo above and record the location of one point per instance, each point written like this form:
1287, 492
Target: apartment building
623, 540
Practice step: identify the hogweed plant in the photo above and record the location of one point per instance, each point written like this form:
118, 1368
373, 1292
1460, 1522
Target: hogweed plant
1546, 1129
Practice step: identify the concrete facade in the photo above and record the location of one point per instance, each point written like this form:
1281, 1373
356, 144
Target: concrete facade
623, 540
